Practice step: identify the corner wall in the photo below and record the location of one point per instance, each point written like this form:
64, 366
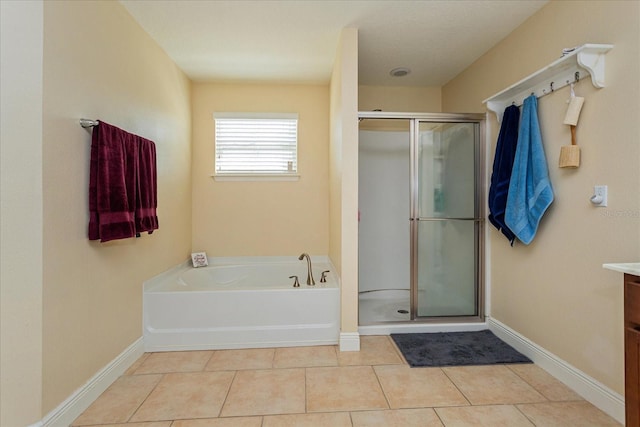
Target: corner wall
262, 218
554, 291
343, 180
21, 213
100, 64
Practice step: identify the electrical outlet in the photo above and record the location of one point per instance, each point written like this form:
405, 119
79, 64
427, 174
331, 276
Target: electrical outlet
599, 195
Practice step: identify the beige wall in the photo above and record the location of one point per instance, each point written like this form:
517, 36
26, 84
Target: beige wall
262, 218
99, 64
21, 213
427, 99
344, 175
554, 291
335, 166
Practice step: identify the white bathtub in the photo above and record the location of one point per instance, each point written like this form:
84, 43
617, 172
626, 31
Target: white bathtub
241, 303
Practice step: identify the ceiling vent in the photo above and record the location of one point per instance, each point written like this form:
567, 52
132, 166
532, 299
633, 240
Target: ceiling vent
400, 72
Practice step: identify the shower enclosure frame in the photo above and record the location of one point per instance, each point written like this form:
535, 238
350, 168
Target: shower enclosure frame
479, 208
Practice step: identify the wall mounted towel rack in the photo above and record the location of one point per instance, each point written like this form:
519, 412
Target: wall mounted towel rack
585, 59
88, 123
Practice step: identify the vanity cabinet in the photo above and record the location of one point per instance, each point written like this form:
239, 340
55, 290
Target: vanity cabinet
632, 349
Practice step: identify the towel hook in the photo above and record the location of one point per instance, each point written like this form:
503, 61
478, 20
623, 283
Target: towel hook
576, 76
551, 86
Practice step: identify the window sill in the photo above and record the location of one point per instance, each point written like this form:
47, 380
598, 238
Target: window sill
255, 177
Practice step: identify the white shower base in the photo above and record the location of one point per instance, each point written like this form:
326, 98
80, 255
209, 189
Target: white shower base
405, 328
378, 315
384, 306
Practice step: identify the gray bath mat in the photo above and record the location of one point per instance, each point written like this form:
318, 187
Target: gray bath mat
456, 349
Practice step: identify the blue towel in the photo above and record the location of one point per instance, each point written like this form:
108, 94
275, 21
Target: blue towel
530, 192
502, 165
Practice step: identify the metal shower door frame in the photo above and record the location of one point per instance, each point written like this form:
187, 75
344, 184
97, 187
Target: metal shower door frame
415, 119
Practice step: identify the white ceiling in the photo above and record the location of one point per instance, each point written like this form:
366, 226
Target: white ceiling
296, 40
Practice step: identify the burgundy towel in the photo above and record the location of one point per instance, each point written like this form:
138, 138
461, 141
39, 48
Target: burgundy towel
112, 190
147, 194
122, 194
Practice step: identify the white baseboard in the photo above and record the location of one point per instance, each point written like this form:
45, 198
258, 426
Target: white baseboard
349, 341
403, 328
80, 400
590, 389
235, 345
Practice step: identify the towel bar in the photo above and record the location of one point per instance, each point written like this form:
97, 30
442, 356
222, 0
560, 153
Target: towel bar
88, 123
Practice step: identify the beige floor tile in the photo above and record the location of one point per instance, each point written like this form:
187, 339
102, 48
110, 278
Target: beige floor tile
483, 416
272, 389
220, 422
174, 361
333, 419
567, 414
265, 392
119, 401
493, 384
186, 395
137, 364
374, 350
150, 424
235, 360
425, 417
544, 383
305, 357
407, 387
349, 388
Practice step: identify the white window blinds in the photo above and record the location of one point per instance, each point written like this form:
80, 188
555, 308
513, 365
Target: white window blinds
256, 143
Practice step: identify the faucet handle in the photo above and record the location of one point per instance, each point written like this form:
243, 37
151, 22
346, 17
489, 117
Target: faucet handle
323, 276
296, 283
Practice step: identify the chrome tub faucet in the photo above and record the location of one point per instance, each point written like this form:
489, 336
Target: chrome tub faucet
310, 280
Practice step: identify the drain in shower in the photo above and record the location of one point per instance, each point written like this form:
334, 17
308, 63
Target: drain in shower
402, 311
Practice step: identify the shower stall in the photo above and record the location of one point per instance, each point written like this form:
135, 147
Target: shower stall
420, 218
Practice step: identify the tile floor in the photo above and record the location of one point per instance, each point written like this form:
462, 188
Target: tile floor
320, 386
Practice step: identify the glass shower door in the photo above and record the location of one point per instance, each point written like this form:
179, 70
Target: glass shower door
445, 222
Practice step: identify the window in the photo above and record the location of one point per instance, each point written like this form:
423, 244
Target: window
256, 145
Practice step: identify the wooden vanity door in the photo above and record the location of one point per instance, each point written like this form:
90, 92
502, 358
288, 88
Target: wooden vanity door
632, 377
632, 349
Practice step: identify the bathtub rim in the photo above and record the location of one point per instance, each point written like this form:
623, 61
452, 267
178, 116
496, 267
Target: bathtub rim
174, 273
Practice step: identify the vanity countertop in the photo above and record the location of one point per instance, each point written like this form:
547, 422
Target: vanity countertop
629, 267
